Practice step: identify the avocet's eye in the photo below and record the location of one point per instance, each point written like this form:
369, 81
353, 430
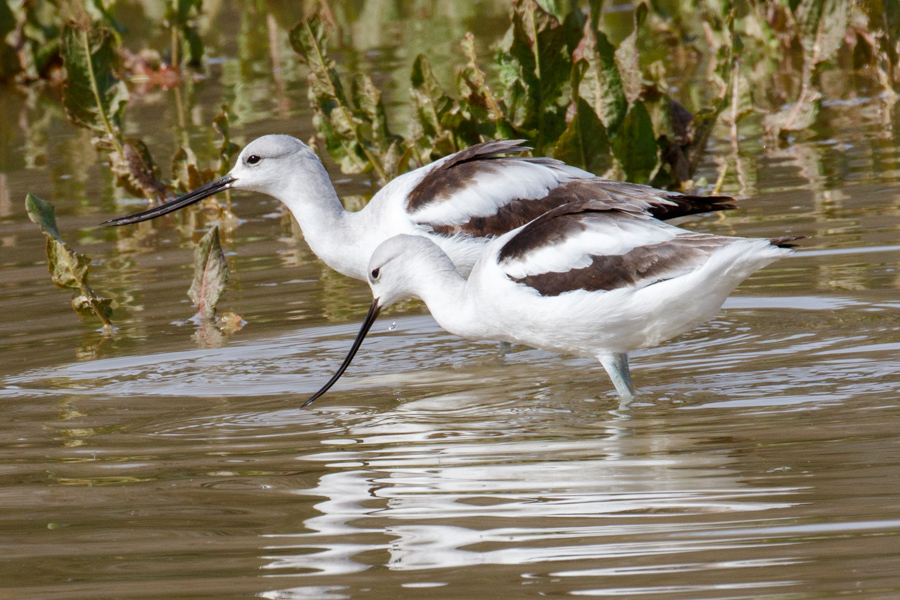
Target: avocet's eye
374, 274
252, 159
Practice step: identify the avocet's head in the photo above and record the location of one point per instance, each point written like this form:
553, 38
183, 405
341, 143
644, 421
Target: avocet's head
261, 167
393, 269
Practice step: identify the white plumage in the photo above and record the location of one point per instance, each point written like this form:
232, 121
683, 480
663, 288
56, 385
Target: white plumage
460, 202
588, 278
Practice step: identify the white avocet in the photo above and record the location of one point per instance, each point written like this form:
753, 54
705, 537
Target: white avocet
459, 202
591, 278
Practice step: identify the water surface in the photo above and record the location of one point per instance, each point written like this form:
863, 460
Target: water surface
761, 460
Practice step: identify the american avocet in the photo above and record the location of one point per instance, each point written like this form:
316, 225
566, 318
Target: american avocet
460, 202
593, 278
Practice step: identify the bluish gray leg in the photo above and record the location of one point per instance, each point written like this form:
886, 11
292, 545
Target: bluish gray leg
505, 347
616, 366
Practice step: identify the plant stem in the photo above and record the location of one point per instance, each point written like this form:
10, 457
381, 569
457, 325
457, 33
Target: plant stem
96, 91
174, 57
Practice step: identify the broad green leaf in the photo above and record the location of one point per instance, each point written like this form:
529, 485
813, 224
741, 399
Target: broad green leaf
91, 305
584, 143
68, 269
480, 116
43, 215
628, 59
428, 97
334, 117
431, 138
92, 96
392, 158
635, 145
210, 274
534, 66
371, 113
573, 29
551, 7
601, 86
101, 13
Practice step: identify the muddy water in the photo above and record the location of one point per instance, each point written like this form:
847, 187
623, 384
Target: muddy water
761, 460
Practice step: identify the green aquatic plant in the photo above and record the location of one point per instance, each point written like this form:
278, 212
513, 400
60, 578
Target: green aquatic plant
94, 98
355, 133
68, 269
562, 86
628, 96
557, 80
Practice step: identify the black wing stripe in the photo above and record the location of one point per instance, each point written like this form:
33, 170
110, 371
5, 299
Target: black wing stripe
643, 266
615, 195
461, 168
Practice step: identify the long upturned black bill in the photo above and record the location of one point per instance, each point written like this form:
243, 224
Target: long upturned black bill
219, 185
366, 326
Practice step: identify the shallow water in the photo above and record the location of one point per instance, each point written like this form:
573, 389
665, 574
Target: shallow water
761, 460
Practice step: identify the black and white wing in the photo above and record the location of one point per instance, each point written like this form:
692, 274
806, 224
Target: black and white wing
600, 246
483, 192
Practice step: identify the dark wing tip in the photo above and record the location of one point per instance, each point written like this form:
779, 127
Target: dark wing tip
489, 149
786, 241
692, 205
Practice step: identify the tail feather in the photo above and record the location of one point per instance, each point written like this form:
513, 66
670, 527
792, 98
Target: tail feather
786, 241
692, 205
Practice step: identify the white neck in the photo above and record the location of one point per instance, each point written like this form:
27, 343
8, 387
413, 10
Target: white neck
335, 235
438, 283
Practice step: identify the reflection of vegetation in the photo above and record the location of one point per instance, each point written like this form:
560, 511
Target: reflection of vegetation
186, 45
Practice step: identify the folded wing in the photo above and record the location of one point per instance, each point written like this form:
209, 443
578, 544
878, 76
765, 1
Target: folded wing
481, 191
602, 245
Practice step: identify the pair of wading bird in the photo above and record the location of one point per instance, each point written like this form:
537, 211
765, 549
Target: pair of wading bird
512, 248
